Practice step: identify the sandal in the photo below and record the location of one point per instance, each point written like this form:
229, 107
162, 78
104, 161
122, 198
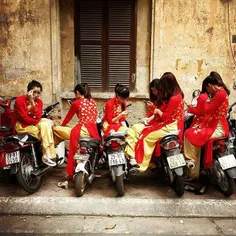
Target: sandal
63, 184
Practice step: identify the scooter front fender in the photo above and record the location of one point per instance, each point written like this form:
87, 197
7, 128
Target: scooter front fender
116, 171
80, 167
179, 171
232, 172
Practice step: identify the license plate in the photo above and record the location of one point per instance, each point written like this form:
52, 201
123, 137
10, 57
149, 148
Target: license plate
12, 157
116, 159
227, 162
82, 157
176, 161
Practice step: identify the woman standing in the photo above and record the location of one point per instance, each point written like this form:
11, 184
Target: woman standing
171, 119
86, 110
214, 126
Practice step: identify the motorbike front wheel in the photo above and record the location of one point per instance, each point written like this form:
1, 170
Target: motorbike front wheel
80, 184
120, 188
224, 182
179, 185
23, 175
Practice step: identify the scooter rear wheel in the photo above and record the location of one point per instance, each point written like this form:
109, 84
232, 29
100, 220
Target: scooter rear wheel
179, 185
80, 184
23, 175
225, 183
120, 188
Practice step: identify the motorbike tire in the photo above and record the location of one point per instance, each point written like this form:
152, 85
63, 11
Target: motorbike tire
179, 185
227, 187
23, 174
120, 188
80, 184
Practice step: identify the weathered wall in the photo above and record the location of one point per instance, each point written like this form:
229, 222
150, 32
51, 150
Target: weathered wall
191, 40
67, 44
25, 42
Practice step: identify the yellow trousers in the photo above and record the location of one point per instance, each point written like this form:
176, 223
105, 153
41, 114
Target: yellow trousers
138, 128
150, 143
130, 139
193, 153
62, 133
41, 131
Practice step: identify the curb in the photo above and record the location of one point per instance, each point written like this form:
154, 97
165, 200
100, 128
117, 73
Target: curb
117, 207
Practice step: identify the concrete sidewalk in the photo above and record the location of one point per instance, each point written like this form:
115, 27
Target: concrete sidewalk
146, 195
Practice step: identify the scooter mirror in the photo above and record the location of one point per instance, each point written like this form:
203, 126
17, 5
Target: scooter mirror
196, 93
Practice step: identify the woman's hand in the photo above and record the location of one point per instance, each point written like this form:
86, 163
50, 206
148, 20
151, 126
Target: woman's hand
30, 97
124, 113
149, 103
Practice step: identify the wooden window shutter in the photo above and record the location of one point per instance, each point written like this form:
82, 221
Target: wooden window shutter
120, 42
90, 21
106, 42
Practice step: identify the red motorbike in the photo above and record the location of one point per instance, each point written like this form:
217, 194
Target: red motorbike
20, 154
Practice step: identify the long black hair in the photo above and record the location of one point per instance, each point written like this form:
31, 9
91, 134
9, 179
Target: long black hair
83, 89
215, 79
154, 84
122, 91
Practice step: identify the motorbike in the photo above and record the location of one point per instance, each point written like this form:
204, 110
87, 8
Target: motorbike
171, 160
223, 170
21, 154
86, 159
114, 145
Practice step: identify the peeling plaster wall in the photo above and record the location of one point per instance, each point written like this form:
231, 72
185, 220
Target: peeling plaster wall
191, 40
25, 42
67, 44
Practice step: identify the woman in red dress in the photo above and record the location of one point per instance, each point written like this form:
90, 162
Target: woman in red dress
115, 119
171, 119
86, 110
214, 125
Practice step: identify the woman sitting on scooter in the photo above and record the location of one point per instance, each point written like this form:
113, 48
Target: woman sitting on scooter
171, 119
150, 119
214, 125
198, 110
115, 119
86, 110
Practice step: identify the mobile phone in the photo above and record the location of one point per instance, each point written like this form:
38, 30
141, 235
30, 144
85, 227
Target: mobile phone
145, 101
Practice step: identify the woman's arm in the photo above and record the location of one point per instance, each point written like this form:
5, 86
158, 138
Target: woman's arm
216, 102
70, 114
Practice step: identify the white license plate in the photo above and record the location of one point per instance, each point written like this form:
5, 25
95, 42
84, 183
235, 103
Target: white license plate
176, 161
12, 157
116, 159
227, 162
82, 157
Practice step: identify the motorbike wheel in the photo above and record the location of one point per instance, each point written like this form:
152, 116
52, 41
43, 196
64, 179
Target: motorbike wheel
80, 184
179, 185
23, 174
120, 188
226, 183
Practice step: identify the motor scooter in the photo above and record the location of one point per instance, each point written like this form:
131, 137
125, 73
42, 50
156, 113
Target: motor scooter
114, 145
87, 160
21, 154
222, 172
168, 156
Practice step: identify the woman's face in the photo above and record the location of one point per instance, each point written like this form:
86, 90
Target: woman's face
154, 91
77, 95
122, 100
210, 89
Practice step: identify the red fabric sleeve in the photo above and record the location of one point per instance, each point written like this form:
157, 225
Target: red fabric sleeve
172, 104
22, 114
70, 113
108, 110
37, 109
219, 98
150, 110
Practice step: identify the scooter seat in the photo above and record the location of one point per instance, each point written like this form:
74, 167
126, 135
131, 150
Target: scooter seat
119, 135
24, 138
93, 141
167, 138
5, 129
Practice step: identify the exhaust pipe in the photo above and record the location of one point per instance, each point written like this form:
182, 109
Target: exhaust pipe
38, 173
